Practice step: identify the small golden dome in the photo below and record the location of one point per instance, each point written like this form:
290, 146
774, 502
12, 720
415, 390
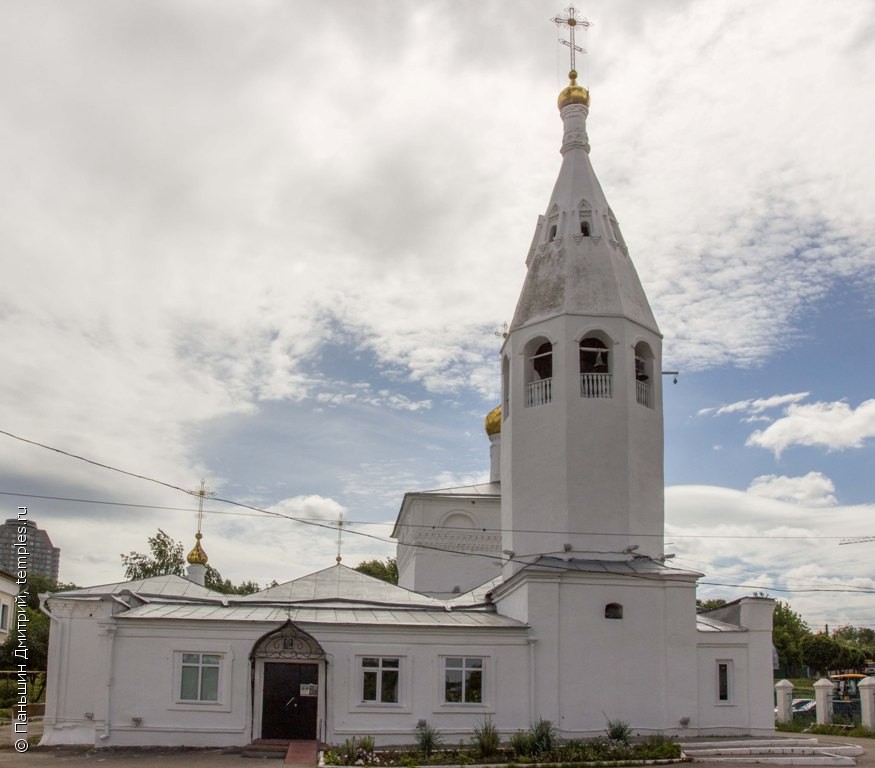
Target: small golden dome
197, 556
492, 423
574, 93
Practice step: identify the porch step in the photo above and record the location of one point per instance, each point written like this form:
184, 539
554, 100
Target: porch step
772, 752
273, 748
302, 754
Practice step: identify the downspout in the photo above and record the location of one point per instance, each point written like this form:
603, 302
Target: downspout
110, 634
532, 641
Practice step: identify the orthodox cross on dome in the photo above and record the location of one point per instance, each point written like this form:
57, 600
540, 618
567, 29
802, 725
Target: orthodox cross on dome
201, 493
569, 19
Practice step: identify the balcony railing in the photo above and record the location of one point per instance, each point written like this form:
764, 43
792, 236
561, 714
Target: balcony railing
643, 394
596, 385
539, 392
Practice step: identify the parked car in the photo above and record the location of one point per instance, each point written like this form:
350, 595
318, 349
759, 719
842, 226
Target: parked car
804, 706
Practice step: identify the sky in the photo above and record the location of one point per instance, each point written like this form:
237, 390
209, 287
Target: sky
269, 244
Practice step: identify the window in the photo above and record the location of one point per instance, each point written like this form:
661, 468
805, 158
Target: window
584, 228
724, 681
643, 375
595, 371
463, 680
4, 616
584, 216
539, 376
380, 679
199, 679
613, 611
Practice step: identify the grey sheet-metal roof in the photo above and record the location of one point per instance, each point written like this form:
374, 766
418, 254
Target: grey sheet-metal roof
165, 586
321, 615
340, 583
482, 489
635, 566
707, 624
478, 594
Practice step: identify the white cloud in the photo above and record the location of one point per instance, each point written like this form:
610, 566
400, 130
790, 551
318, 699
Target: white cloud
814, 489
754, 406
835, 426
743, 541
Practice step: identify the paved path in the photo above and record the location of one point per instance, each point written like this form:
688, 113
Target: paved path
220, 758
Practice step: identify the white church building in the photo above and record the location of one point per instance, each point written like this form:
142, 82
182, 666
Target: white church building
545, 593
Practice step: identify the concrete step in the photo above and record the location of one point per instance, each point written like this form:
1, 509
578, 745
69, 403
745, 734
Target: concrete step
273, 748
805, 751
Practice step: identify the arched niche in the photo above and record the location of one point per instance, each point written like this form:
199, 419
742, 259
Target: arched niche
287, 642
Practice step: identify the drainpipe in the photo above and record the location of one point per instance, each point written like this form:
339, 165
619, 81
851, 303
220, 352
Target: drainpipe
110, 635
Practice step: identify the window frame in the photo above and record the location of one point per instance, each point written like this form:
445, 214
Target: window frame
223, 688
485, 680
378, 672
724, 680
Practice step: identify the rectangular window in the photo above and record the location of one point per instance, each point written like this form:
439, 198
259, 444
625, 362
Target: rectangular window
380, 679
724, 671
4, 616
199, 679
463, 680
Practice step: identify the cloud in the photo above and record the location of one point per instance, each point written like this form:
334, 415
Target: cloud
754, 407
814, 489
835, 426
743, 540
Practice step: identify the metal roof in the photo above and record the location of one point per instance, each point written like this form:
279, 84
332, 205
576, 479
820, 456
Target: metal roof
169, 585
353, 614
706, 624
340, 583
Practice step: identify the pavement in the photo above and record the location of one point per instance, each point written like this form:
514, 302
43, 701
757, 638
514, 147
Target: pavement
85, 757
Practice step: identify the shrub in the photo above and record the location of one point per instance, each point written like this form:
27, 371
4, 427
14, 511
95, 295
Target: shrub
619, 731
544, 737
428, 738
522, 744
486, 739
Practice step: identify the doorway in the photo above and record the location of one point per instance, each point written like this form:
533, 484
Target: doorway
290, 699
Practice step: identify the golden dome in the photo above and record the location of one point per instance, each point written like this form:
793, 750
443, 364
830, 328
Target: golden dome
197, 556
574, 93
492, 423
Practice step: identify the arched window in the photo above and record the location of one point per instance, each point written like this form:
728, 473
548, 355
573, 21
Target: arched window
584, 215
552, 232
643, 375
596, 379
539, 373
613, 611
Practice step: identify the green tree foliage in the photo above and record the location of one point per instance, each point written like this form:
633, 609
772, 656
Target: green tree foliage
821, 653
167, 556
861, 638
788, 631
385, 570
37, 624
709, 605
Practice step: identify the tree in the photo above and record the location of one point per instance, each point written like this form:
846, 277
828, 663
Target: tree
385, 570
37, 624
788, 632
821, 652
167, 556
709, 605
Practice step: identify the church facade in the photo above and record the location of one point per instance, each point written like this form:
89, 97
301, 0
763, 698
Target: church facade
545, 593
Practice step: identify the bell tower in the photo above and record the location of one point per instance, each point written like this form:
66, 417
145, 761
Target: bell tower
582, 422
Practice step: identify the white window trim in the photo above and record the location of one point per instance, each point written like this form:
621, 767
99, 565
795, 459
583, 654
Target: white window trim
404, 682
487, 692
730, 683
223, 703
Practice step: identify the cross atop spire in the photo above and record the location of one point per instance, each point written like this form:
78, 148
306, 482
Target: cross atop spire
201, 493
339, 537
570, 20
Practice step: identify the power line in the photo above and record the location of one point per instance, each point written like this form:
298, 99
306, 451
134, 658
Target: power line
333, 527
